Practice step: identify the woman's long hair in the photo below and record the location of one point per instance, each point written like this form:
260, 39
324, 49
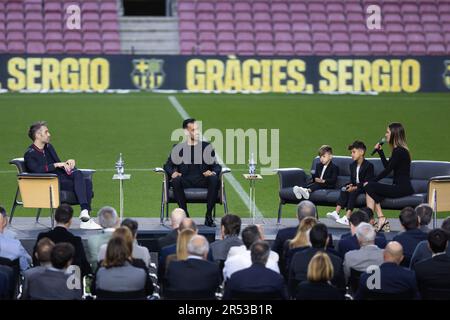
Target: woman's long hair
398, 135
182, 242
301, 239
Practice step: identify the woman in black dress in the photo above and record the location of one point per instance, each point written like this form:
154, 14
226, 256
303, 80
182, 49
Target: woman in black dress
400, 164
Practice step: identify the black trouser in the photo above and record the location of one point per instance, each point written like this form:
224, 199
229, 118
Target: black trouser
211, 182
316, 186
348, 199
76, 183
378, 191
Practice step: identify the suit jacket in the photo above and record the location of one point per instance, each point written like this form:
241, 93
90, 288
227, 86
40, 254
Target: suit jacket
350, 242
366, 173
257, 279
61, 234
299, 269
94, 244
330, 175
318, 291
167, 240
393, 279
220, 248
183, 168
422, 252
193, 275
433, 272
36, 161
362, 258
51, 284
409, 240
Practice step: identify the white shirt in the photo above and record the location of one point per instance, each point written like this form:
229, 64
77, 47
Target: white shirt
357, 173
239, 258
323, 171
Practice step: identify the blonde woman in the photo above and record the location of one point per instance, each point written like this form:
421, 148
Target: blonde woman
318, 285
183, 239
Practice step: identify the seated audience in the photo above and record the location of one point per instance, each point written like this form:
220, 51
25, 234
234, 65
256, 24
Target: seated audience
423, 251
410, 238
257, 280
61, 233
318, 285
390, 281
176, 216
367, 255
195, 277
52, 283
239, 257
139, 252
230, 227
434, 272
108, 219
182, 243
425, 213
298, 270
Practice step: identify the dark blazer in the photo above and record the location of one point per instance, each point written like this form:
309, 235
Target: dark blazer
366, 173
168, 239
61, 234
393, 279
36, 161
282, 236
330, 175
193, 275
219, 249
299, 269
433, 272
422, 252
257, 279
400, 164
350, 242
409, 240
318, 291
207, 164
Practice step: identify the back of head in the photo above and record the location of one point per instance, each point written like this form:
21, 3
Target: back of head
319, 236
176, 216
250, 235
424, 212
187, 223
259, 252
62, 255
437, 240
198, 246
357, 217
125, 234
132, 225
368, 211
44, 249
393, 252
301, 239
320, 268
34, 128
3, 218
446, 226
231, 224
365, 234
409, 219
182, 242
63, 214
117, 253
306, 209
107, 217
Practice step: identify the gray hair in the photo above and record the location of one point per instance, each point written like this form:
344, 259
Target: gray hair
260, 252
306, 209
198, 246
107, 217
365, 233
176, 216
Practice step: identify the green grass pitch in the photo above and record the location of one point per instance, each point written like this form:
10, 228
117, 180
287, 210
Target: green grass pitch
94, 128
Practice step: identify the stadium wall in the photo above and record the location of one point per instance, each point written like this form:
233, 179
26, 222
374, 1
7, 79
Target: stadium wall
310, 74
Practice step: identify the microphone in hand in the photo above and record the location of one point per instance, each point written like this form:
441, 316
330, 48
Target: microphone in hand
380, 143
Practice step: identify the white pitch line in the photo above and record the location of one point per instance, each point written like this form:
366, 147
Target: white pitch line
229, 176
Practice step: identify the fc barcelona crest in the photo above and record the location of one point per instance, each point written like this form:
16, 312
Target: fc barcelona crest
148, 74
446, 74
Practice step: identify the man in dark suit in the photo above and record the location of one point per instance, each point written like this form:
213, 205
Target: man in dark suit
193, 278
361, 171
41, 157
412, 236
230, 227
390, 281
63, 218
298, 270
176, 216
349, 241
325, 176
434, 273
193, 164
258, 280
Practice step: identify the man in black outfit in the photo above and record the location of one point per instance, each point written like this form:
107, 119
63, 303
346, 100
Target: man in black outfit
192, 164
41, 157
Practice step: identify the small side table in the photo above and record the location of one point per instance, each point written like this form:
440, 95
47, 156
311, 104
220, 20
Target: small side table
252, 201
121, 178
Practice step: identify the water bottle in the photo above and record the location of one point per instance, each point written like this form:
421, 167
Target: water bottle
252, 166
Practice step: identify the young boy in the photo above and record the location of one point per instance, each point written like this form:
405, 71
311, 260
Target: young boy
324, 177
361, 171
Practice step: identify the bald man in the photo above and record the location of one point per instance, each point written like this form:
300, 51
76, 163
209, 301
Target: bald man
390, 281
176, 216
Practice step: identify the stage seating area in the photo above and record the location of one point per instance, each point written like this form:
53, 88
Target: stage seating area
313, 27
38, 26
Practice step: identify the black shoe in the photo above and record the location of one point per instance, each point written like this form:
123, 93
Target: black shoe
209, 222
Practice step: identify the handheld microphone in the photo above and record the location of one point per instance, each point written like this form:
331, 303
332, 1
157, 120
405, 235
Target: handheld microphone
344, 189
381, 142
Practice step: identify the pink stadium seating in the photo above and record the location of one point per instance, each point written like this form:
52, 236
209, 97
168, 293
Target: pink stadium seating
314, 27
36, 26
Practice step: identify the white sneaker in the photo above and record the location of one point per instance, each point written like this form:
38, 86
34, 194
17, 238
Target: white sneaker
333, 215
297, 192
304, 192
90, 225
84, 216
343, 220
